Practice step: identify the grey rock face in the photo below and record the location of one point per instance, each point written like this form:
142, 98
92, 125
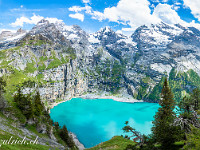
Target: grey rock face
41, 128
88, 66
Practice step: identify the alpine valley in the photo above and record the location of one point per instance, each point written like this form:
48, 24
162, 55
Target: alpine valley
64, 62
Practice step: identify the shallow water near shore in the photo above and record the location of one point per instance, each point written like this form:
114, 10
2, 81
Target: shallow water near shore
98, 120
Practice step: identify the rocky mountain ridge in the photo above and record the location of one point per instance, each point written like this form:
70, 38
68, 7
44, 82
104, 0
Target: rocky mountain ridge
65, 61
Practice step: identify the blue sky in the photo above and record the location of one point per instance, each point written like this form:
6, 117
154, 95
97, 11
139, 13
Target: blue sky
91, 15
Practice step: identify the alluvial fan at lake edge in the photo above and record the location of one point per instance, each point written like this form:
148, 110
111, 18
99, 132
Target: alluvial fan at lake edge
98, 120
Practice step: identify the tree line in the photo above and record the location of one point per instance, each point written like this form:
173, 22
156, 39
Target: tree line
170, 127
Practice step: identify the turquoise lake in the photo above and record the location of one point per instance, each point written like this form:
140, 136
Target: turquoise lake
98, 120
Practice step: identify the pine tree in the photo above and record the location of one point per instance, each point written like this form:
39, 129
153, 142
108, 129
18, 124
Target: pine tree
19, 99
2, 91
28, 107
56, 124
163, 129
38, 105
66, 138
195, 98
24, 103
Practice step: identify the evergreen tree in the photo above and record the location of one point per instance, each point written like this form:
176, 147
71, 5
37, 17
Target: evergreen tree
163, 129
2, 91
2, 86
193, 139
185, 105
195, 98
56, 124
38, 105
19, 99
66, 138
24, 103
187, 116
28, 107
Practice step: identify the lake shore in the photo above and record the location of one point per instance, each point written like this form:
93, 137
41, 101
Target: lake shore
76, 141
126, 98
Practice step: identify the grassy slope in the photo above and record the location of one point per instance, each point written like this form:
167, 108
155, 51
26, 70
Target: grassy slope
119, 143
116, 143
13, 132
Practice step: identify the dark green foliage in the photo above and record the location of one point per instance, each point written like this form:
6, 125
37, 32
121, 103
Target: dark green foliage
47, 117
188, 107
24, 103
29, 84
180, 84
149, 145
195, 98
38, 105
56, 124
137, 135
155, 94
19, 98
28, 107
193, 139
131, 147
163, 129
63, 134
143, 142
2, 91
2, 86
184, 106
66, 138
190, 103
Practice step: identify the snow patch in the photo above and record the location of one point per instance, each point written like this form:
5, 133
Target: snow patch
92, 39
161, 68
15, 37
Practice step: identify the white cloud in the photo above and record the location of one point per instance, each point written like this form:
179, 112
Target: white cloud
13, 31
176, 6
77, 16
159, 1
170, 16
76, 8
32, 20
135, 13
193, 24
130, 12
85, 1
53, 20
79, 9
20, 21
97, 15
165, 13
194, 5
22, 9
